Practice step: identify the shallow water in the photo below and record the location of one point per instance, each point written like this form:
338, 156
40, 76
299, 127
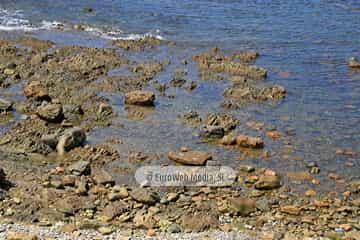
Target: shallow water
311, 40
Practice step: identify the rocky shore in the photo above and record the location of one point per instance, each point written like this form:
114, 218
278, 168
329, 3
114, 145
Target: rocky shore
52, 178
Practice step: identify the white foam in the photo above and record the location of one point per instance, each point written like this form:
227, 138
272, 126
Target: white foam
15, 21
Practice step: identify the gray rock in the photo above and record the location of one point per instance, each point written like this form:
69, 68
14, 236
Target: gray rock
145, 196
101, 176
72, 138
208, 131
79, 168
50, 112
5, 105
174, 228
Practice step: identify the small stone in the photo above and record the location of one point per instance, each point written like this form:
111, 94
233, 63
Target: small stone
249, 142
114, 210
268, 182
144, 98
69, 180
228, 140
353, 63
247, 168
105, 109
273, 134
151, 232
190, 157
145, 196
79, 168
101, 176
5, 105
290, 209
184, 149
174, 228
105, 230
243, 206
37, 91
310, 193
50, 113
72, 138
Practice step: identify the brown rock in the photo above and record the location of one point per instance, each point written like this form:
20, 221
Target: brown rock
145, 196
50, 113
190, 157
268, 182
354, 63
300, 176
290, 209
228, 140
310, 193
114, 210
273, 134
242, 206
249, 142
10, 235
144, 98
200, 222
5, 105
101, 176
37, 91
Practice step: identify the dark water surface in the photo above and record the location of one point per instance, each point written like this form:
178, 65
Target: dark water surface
311, 40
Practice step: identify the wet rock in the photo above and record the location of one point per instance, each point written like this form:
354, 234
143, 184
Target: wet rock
137, 45
51, 139
79, 168
145, 196
69, 180
114, 210
190, 157
246, 93
228, 140
242, 206
177, 82
249, 142
101, 176
192, 118
208, 131
72, 138
50, 112
11, 235
225, 120
37, 91
266, 182
143, 98
5, 105
191, 86
199, 222
354, 63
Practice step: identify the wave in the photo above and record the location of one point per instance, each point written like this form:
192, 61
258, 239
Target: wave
15, 21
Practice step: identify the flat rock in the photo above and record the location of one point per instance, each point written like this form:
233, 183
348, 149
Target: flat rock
101, 176
79, 168
145, 196
249, 142
5, 105
143, 98
50, 113
267, 182
190, 157
72, 138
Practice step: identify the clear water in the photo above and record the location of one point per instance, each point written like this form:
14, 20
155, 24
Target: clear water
312, 40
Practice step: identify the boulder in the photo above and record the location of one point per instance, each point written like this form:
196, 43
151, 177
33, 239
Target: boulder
71, 138
249, 142
209, 131
145, 196
5, 105
143, 98
190, 157
50, 112
268, 182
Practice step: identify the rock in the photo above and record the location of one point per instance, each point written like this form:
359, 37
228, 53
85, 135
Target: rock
69, 205
225, 120
101, 176
143, 220
247, 168
105, 109
81, 186
273, 134
242, 206
208, 131
51, 139
356, 202
228, 140
37, 91
310, 193
354, 63
122, 192
174, 228
266, 182
177, 82
5, 105
249, 142
72, 138
192, 118
114, 210
143, 98
199, 222
79, 168
190, 157
50, 112
145, 196
190, 86
105, 230
10, 235
2, 175
290, 209
68, 180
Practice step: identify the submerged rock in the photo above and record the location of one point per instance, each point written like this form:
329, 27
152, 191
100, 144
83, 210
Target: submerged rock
72, 138
190, 157
224, 120
143, 98
249, 142
50, 112
246, 92
192, 118
208, 131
